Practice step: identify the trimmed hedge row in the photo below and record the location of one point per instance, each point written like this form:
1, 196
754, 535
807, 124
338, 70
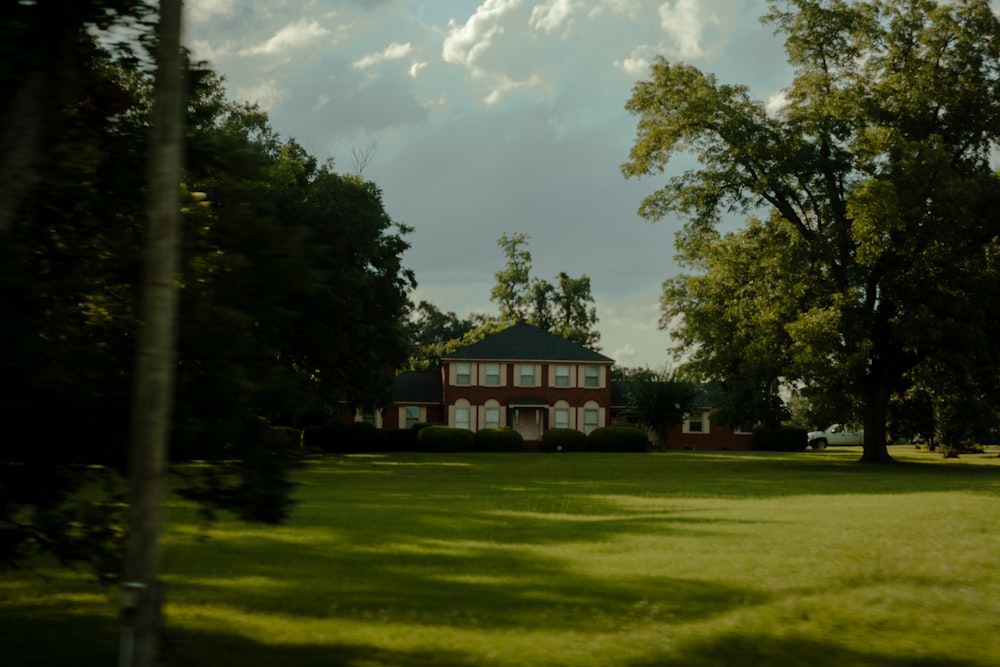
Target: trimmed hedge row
564, 440
784, 439
358, 437
619, 438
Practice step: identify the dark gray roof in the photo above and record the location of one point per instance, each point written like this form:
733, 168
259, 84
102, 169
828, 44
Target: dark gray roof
523, 342
417, 387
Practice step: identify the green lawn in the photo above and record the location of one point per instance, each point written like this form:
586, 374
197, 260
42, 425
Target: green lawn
682, 558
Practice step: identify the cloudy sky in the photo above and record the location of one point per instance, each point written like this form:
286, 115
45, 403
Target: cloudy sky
492, 116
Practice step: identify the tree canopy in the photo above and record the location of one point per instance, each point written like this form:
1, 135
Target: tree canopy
875, 196
292, 302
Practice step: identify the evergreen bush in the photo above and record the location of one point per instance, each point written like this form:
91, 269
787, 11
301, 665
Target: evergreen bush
499, 440
564, 440
446, 439
618, 438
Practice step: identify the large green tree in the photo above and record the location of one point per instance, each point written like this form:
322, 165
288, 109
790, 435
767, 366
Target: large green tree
565, 308
878, 165
292, 302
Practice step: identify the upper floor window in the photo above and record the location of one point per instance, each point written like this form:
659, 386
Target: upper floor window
493, 375
463, 373
527, 375
591, 376
562, 375
412, 416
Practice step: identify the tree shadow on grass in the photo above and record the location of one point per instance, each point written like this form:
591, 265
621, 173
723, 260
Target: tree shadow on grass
766, 651
190, 648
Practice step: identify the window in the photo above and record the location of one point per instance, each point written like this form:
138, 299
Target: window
412, 416
462, 417
527, 375
591, 376
562, 376
492, 416
463, 373
368, 417
493, 375
589, 420
696, 422
561, 418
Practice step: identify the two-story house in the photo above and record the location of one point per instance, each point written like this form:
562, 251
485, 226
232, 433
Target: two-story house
523, 377
530, 380
527, 379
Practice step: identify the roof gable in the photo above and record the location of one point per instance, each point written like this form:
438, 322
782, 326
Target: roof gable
417, 387
523, 342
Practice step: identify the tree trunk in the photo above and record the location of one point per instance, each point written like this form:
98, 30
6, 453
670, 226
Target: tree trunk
155, 355
20, 146
876, 411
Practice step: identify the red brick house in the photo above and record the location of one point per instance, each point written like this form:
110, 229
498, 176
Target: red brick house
531, 380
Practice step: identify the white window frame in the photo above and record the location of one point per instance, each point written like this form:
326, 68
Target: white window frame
463, 369
561, 375
703, 422
560, 418
492, 379
591, 419
463, 417
491, 417
521, 375
591, 376
411, 416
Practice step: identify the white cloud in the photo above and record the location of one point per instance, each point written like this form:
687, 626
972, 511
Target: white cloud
550, 15
624, 355
776, 103
685, 21
394, 51
464, 42
636, 65
266, 93
197, 11
291, 36
416, 67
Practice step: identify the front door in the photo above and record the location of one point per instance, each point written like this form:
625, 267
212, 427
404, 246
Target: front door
528, 422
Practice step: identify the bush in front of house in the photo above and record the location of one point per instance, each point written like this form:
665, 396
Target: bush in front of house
564, 440
325, 438
400, 440
446, 439
783, 439
619, 438
499, 440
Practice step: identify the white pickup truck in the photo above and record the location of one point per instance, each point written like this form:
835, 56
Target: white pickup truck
835, 435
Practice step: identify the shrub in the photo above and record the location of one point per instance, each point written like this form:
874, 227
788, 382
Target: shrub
619, 438
446, 439
783, 439
564, 440
399, 440
499, 440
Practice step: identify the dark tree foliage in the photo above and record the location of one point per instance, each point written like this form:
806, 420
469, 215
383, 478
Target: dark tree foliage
292, 301
876, 258
660, 400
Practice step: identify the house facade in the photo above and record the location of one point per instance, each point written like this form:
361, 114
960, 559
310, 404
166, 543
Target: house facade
526, 379
531, 380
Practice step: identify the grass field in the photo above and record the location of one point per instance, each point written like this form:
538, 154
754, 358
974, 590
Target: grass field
682, 558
